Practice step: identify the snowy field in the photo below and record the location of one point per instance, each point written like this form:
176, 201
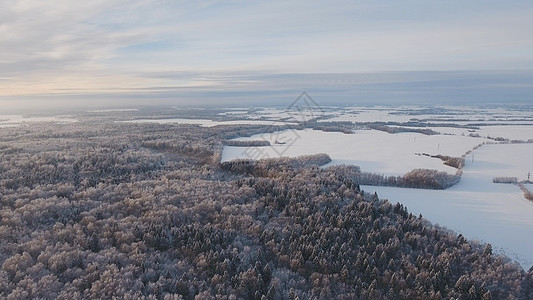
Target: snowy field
512, 132
446, 115
283, 114
372, 150
478, 208
16, 120
370, 115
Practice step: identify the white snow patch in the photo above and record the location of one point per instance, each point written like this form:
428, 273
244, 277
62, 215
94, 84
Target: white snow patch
372, 150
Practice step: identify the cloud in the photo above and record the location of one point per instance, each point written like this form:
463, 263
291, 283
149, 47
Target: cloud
56, 47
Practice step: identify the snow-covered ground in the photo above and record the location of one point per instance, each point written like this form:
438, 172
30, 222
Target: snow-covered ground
16, 120
372, 150
512, 132
297, 113
478, 208
441, 115
234, 112
370, 115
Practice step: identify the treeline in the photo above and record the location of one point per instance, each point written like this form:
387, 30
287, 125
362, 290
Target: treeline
513, 180
455, 162
527, 193
138, 220
399, 129
344, 127
253, 143
274, 166
417, 178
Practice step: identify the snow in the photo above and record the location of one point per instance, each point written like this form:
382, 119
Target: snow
16, 120
478, 208
233, 112
297, 113
372, 150
444, 115
489, 122
369, 115
512, 132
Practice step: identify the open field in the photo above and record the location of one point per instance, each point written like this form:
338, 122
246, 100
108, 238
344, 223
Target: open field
16, 120
478, 208
372, 150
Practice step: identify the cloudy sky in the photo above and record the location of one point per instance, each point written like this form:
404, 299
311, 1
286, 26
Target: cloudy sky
113, 51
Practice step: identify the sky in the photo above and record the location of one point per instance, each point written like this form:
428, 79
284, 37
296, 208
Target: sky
117, 52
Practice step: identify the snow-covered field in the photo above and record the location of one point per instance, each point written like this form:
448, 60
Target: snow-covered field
16, 120
372, 150
370, 115
234, 112
512, 132
478, 208
444, 115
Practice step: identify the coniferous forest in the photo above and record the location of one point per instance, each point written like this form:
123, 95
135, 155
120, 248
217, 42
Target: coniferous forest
101, 210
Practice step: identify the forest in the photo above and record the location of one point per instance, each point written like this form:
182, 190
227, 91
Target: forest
97, 209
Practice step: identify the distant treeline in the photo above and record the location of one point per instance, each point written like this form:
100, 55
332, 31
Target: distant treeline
344, 127
513, 180
392, 130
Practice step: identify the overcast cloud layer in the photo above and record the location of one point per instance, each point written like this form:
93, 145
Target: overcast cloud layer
111, 52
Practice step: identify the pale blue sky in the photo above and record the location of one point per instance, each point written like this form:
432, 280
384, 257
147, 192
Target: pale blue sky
164, 50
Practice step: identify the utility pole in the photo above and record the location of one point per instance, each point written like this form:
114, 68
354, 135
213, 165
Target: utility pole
528, 176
